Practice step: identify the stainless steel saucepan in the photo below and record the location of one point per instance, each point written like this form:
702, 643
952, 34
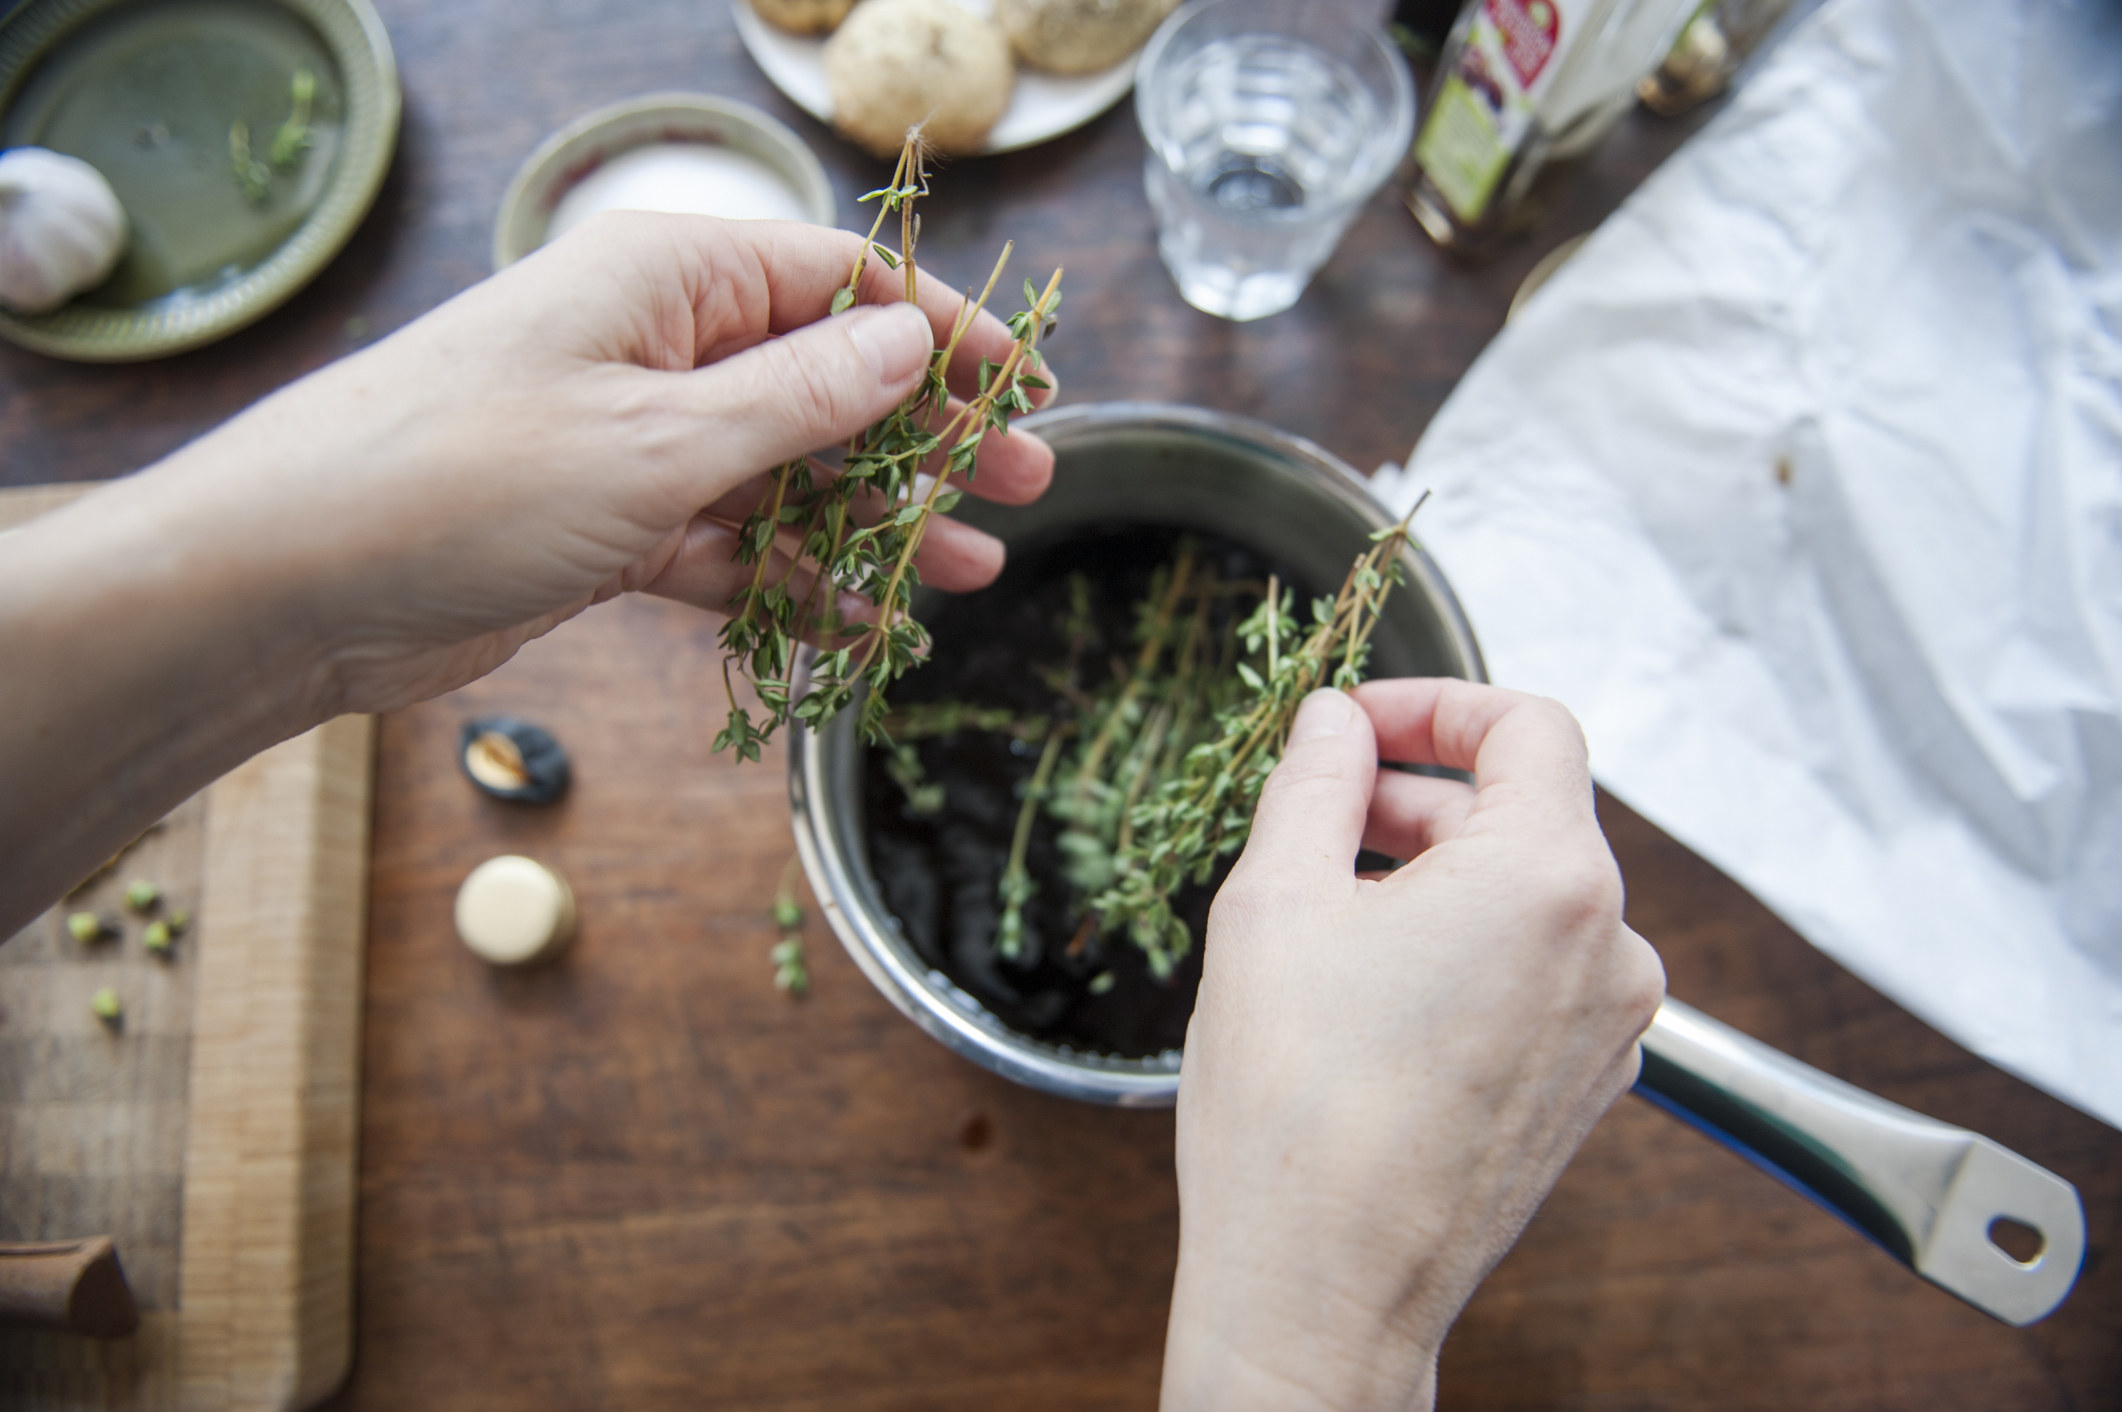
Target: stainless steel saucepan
1926, 1192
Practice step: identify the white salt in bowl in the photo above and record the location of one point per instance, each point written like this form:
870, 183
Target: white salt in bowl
684, 152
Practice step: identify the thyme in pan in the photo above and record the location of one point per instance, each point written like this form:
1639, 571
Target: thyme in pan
1204, 809
1152, 777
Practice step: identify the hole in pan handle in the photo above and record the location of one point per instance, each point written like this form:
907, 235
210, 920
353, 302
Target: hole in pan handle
1927, 1192
2017, 1239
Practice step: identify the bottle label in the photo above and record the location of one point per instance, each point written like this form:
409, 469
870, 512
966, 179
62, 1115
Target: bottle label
1484, 109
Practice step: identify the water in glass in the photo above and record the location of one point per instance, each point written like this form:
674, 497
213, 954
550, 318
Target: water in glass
1259, 166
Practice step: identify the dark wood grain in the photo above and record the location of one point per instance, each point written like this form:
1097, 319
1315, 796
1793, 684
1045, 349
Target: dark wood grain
644, 1179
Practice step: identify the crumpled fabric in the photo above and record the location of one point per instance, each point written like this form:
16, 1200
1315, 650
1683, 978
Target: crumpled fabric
1802, 485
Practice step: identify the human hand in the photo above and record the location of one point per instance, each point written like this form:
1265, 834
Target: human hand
592, 420
1383, 1078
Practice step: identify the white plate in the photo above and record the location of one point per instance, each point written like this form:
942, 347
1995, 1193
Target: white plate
1042, 106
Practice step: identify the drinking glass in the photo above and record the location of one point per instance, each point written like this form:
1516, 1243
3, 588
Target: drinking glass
1269, 123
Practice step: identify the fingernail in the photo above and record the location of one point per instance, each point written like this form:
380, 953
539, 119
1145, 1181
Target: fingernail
1324, 712
895, 341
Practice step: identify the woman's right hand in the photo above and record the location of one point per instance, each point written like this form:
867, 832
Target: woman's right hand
1383, 1078
591, 421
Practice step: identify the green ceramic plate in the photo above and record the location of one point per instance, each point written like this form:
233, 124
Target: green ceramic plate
148, 92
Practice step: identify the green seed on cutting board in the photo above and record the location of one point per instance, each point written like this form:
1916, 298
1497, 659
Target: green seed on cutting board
107, 1006
140, 894
156, 937
84, 927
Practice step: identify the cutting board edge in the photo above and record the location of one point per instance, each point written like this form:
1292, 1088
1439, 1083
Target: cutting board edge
266, 1277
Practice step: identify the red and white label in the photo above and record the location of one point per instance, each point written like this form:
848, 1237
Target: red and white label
1529, 30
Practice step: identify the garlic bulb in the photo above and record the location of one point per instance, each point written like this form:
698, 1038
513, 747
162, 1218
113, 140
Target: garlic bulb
61, 229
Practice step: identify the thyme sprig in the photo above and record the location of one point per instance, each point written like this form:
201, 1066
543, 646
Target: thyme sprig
833, 548
1204, 810
1138, 726
929, 719
253, 176
294, 137
291, 139
1016, 887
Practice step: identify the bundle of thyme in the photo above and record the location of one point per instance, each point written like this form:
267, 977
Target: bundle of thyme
1170, 753
770, 615
1204, 810
1135, 730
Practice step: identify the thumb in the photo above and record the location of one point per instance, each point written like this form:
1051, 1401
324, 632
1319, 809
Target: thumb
1312, 809
809, 388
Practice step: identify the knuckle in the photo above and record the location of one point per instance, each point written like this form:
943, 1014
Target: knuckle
646, 414
1295, 782
1626, 1072
1301, 803
1639, 982
1233, 900
811, 390
1237, 906
1258, 884
1584, 893
1554, 711
620, 227
1561, 721
652, 429
1309, 771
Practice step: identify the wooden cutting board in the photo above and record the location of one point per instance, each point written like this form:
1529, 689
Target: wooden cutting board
212, 1132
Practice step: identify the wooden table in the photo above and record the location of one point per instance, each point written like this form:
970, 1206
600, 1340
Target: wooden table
645, 1179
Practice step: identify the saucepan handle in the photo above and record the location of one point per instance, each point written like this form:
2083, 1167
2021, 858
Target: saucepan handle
1928, 1192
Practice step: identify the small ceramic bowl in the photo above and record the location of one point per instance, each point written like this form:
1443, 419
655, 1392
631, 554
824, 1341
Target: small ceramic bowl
580, 148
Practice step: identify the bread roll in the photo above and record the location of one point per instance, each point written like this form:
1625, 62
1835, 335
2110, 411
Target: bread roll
897, 63
1078, 36
803, 16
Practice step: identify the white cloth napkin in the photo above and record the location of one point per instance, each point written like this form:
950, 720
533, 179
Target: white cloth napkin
1802, 485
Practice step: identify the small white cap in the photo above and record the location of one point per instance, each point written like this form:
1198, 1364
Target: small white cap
512, 911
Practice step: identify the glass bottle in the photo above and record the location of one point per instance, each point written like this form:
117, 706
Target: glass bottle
1521, 82
1715, 41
